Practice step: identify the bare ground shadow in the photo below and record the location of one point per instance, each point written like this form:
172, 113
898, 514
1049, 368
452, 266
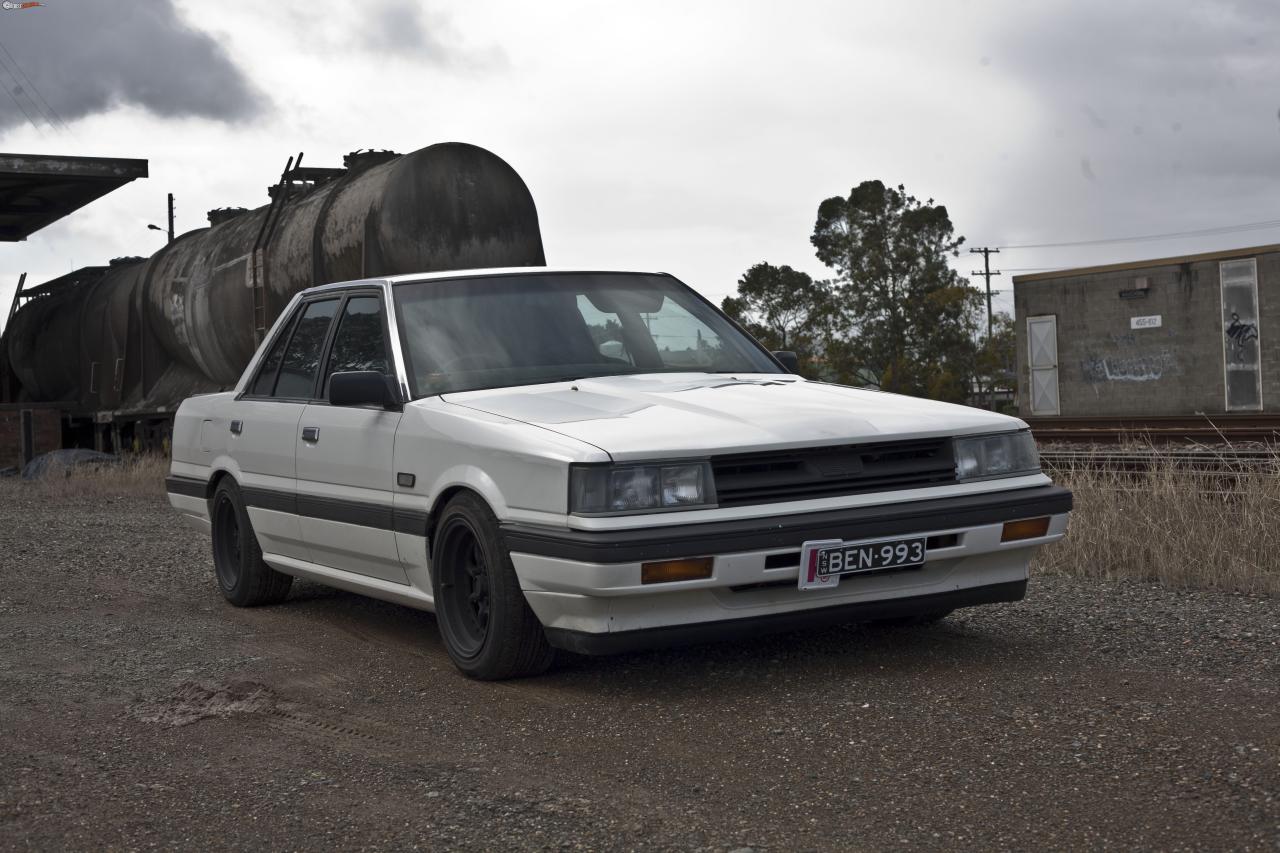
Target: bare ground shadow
846, 651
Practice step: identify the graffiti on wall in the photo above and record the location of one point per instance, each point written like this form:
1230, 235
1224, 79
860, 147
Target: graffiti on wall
1239, 335
1137, 367
1241, 357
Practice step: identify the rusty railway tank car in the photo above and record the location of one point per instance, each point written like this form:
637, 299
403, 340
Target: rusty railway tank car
122, 346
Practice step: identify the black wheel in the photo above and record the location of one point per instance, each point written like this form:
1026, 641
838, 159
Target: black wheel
917, 619
245, 580
488, 628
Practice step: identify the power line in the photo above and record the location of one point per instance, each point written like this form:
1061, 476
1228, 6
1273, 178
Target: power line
18, 76
17, 89
50, 111
18, 103
1173, 235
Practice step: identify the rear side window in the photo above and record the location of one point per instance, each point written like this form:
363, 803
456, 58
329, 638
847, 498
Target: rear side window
359, 343
301, 360
266, 378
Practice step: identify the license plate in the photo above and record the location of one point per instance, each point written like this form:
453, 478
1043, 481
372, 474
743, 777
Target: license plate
824, 561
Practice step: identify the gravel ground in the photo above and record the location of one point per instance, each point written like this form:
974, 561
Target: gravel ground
140, 711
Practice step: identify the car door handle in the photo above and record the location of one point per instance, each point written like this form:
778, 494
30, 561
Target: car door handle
311, 434
237, 427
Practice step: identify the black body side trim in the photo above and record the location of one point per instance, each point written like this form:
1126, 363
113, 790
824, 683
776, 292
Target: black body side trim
346, 512
191, 487
785, 531
270, 499
410, 521
379, 516
753, 626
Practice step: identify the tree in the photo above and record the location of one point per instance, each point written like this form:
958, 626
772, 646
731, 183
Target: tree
909, 321
996, 362
783, 308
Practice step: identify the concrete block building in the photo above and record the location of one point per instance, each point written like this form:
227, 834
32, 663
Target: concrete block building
1197, 334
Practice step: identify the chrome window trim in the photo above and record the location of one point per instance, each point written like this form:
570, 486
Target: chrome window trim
393, 331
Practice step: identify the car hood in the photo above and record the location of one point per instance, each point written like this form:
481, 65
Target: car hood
694, 414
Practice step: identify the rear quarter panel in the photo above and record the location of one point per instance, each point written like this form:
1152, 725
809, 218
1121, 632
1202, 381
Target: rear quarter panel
199, 451
200, 432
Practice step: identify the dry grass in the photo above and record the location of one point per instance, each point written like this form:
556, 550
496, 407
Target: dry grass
137, 475
1183, 528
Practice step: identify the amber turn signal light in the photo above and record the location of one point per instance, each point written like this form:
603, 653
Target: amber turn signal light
1027, 528
666, 571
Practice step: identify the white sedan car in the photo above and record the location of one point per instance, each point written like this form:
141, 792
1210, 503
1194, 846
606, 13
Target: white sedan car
593, 461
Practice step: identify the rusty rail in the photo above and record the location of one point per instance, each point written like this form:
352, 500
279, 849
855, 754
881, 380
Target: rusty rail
1225, 460
1224, 430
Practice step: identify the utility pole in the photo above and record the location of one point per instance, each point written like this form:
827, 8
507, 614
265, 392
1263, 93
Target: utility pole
154, 227
986, 273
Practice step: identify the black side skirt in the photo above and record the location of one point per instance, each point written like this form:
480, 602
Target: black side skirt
736, 629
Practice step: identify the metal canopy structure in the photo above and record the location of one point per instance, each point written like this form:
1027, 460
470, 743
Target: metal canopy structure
38, 189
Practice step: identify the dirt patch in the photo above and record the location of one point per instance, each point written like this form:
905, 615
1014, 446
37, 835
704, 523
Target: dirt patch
194, 701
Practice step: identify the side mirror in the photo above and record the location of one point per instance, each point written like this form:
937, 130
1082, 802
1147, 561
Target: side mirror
788, 360
362, 388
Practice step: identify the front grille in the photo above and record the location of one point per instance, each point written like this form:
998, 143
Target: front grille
821, 472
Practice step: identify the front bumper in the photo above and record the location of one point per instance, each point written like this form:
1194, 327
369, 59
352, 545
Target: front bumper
616, 642
585, 585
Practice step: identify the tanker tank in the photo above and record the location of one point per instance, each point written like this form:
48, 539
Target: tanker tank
137, 337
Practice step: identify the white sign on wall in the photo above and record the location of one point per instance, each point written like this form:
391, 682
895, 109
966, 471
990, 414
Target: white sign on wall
1152, 322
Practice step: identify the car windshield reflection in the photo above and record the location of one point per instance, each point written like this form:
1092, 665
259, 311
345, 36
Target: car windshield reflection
501, 331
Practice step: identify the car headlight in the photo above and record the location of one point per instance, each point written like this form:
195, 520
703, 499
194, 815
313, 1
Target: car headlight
595, 489
1004, 455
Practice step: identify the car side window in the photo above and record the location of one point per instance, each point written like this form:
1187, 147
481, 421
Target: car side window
301, 360
359, 343
266, 378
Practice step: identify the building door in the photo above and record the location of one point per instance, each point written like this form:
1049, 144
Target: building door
1042, 346
1241, 356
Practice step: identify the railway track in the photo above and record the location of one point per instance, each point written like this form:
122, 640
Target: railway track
1225, 460
1222, 430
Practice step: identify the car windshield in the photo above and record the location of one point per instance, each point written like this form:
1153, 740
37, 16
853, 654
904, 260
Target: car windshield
470, 333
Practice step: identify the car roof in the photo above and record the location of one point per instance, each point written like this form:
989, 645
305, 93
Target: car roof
475, 273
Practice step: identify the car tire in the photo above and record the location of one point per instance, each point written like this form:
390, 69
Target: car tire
244, 579
488, 628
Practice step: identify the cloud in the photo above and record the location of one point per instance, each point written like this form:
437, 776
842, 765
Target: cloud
73, 58
400, 27
404, 28
1148, 120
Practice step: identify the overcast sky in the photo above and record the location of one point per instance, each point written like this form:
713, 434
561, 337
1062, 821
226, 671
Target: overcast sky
692, 138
